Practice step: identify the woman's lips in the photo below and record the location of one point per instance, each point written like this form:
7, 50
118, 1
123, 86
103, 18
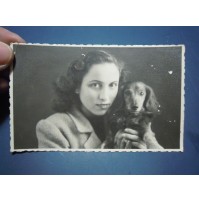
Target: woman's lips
103, 106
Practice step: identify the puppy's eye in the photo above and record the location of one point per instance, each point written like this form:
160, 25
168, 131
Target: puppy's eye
141, 93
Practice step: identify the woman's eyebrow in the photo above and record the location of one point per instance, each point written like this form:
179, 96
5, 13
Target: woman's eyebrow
96, 81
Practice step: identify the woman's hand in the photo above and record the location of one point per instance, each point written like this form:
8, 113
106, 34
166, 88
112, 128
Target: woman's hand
6, 56
150, 139
128, 139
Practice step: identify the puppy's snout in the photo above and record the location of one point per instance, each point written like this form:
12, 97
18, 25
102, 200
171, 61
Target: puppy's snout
134, 107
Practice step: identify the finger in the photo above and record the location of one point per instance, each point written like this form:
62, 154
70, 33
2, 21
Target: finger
118, 138
122, 144
139, 145
8, 37
130, 137
117, 142
131, 131
128, 145
103, 145
6, 55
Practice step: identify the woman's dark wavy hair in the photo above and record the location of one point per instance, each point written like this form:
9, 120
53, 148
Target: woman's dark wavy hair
65, 86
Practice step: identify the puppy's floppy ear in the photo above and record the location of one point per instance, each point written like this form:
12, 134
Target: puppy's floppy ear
151, 104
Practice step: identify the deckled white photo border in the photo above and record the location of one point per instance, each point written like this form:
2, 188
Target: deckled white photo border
181, 149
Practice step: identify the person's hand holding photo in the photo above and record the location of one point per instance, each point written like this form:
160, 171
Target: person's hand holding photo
6, 56
6, 59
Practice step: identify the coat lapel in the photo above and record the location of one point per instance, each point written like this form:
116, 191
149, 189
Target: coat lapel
84, 126
93, 141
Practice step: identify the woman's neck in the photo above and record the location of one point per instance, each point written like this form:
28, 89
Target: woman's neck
97, 122
89, 115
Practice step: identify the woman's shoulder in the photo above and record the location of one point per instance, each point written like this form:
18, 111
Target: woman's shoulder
58, 119
54, 131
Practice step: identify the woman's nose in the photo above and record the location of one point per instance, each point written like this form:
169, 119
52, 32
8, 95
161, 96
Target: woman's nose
104, 94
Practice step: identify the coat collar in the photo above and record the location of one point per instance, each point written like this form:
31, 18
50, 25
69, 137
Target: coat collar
81, 122
84, 126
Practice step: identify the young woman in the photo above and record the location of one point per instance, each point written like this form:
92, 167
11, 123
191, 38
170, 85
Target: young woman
85, 96
80, 121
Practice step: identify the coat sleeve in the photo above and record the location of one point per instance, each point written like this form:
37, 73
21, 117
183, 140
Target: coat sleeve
50, 136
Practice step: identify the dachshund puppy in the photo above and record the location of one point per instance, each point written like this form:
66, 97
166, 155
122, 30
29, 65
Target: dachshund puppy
138, 107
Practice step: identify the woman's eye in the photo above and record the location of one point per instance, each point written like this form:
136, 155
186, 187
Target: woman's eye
112, 85
95, 85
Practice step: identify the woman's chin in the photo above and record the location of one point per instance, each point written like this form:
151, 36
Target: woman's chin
100, 113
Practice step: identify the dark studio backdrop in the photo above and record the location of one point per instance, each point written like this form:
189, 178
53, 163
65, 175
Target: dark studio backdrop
186, 162
37, 67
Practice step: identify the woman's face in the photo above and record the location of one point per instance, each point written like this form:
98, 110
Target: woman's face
99, 88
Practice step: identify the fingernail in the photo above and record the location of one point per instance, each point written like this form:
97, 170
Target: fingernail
5, 55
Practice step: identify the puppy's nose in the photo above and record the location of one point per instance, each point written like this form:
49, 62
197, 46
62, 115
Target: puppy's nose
134, 108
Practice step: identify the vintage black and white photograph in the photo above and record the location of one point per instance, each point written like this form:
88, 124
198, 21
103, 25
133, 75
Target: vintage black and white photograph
97, 98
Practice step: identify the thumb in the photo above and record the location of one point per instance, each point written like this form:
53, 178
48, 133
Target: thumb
6, 55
